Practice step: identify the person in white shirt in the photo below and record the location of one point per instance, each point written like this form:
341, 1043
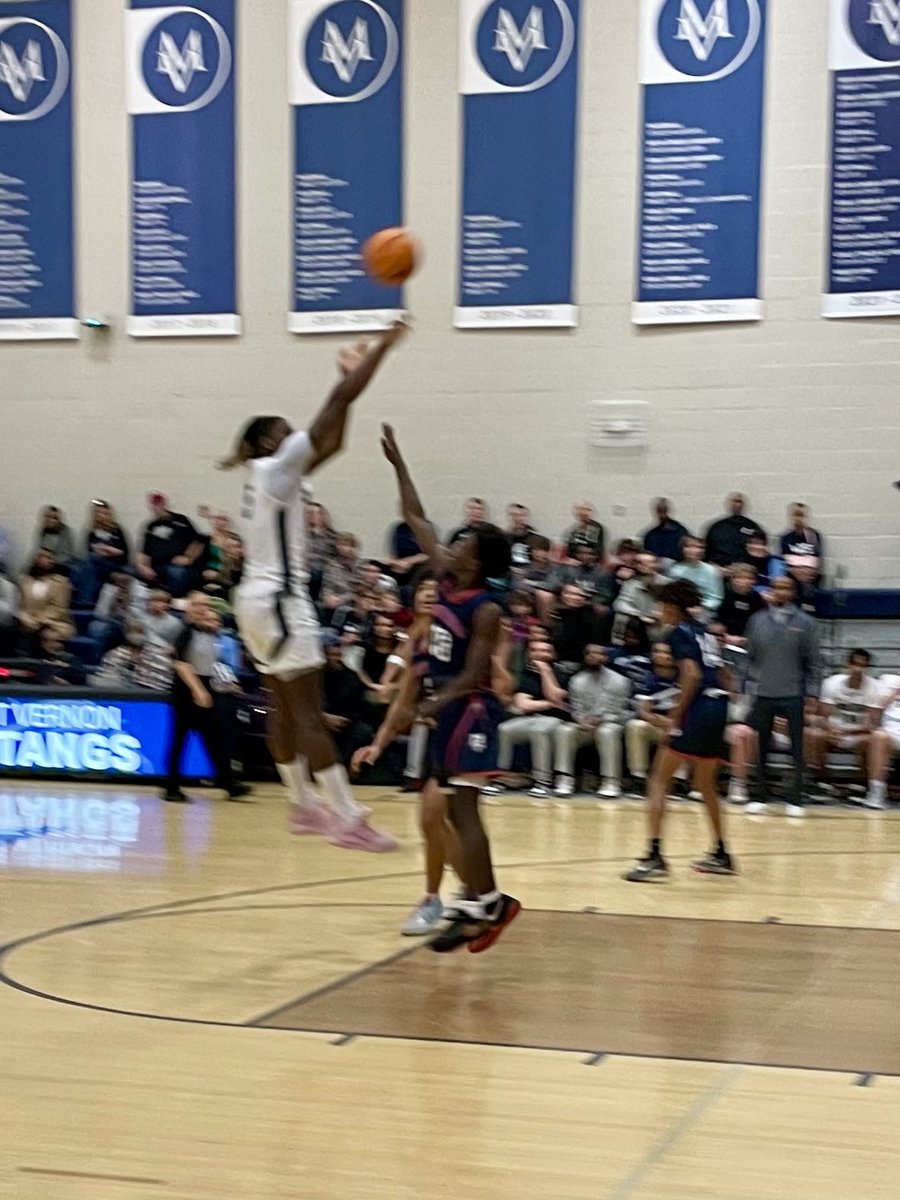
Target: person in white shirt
884, 744
275, 615
598, 698
849, 710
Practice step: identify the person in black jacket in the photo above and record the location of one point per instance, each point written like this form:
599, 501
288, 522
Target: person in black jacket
575, 627
740, 602
727, 537
343, 701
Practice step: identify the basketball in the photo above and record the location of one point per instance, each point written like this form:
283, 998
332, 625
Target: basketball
390, 256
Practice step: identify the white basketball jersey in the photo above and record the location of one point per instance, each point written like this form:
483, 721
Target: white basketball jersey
273, 518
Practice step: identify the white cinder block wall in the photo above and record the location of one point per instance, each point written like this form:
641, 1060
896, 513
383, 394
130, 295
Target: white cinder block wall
793, 408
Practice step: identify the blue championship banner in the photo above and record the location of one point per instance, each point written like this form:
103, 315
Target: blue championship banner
702, 66
37, 275
180, 76
345, 80
519, 81
864, 245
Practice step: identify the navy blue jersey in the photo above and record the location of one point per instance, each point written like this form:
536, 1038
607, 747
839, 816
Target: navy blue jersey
451, 632
691, 640
661, 695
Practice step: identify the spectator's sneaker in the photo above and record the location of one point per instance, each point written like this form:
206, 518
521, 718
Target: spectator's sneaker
425, 918
638, 786
717, 862
795, 810
610, 789
538, 792
565, 786
359, 835
876, 798
737, 792
651, 869
175, 797
756, 807
692, 795
493, 789
315, 819
410, 784
237, 790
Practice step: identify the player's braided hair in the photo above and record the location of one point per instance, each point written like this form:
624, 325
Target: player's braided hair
248, 443
494, 551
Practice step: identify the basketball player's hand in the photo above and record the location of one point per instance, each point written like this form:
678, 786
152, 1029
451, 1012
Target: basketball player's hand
390, 447
367, 756
350, 357
396, 333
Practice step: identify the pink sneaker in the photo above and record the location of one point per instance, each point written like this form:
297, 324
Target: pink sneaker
359, 835
316, 820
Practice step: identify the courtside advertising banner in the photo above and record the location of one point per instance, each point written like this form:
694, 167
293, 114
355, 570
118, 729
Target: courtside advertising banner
519, 83
702, 67
37, 274
345, 79
180, 69
864, 244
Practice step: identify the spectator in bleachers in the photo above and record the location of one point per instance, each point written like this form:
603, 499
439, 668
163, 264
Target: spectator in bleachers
884, 746
170, 548
475, 513
46, 596
665, 537
9, 615
726, 538
598, 585
541, 579
542, 702
221, 561
56, 536
801, 539
653, 704
768, 566
65, 669
520, 532
343, 701
161, 626
703, 575
575, 627
352, 620
849, 710
587, 531
135, 664
112, 612
321, 544
637, 597
740, 602
633, 659
805, 574
343, 574
784, 663
598, 701
623, 564
379, 647
405, 555
107, 552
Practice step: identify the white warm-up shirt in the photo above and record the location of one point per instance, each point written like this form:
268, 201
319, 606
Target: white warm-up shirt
273, 520
850, 704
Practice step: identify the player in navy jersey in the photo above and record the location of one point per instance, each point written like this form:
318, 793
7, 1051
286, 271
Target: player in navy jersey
461, 708
695, 733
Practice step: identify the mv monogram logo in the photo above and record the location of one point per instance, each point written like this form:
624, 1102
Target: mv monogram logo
345, 56
886, 13
519, 44
180, 65
21, 74
703, 33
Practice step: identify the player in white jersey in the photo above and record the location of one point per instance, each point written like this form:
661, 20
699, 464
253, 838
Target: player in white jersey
275, 615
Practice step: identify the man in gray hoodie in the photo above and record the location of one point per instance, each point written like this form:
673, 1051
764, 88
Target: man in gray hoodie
598, 699
785, 670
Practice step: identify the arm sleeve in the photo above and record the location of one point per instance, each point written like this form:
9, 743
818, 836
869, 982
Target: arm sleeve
181, 644
288, 464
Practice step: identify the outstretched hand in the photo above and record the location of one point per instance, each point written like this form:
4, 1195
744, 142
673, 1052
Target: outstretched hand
350, 357
390, 447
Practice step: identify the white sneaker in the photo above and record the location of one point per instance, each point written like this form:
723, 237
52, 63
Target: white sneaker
425, 918
755, 807
795, 810
875, 801
610, 790
737, 792
565, 786
538, 792
693, 795
493, 789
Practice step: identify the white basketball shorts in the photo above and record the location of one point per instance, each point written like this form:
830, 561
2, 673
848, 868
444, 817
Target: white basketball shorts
281, 633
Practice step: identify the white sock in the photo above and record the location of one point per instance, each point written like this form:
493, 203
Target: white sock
336, 786
878, 789
296, 778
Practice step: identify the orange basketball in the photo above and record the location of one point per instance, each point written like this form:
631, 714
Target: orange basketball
390, 256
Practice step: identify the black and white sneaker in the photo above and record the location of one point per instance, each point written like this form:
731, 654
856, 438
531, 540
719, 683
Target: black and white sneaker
651, 869
717, 862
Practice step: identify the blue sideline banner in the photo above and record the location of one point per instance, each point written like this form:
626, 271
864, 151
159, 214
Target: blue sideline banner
519, 82
180, 67
345, 79
37, 271
702, 67
864, 244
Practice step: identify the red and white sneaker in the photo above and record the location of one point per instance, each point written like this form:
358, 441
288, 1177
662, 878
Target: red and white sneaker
314, 820
359, 835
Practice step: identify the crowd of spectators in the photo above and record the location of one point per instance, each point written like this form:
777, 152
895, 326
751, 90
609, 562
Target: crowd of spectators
587, 668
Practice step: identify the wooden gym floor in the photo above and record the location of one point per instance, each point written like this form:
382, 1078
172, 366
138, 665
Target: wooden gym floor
195, 1006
